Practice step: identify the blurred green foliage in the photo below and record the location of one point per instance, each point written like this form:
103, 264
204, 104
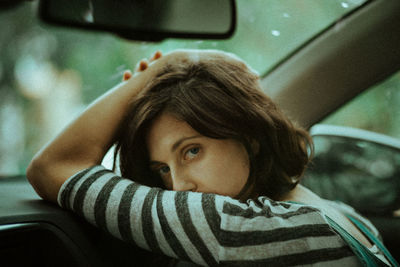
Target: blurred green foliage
48, 74
376, 109
267, 31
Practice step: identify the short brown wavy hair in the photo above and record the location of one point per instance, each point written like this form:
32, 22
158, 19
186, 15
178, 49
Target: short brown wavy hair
222, 99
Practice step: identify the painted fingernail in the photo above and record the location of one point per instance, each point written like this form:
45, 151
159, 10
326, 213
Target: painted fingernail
157, 54
143, 65
127, 75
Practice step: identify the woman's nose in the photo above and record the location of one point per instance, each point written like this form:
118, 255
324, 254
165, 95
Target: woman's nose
182, 182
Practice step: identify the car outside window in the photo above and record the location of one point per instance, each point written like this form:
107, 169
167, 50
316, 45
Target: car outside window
363, 170
376, 109
49, 74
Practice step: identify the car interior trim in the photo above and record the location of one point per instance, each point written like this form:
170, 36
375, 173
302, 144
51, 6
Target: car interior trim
333, 130
300, 78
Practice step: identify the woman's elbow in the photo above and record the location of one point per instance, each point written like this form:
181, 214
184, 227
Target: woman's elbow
35, 173
47, 173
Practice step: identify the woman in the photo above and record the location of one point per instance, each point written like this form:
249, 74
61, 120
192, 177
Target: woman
213, 169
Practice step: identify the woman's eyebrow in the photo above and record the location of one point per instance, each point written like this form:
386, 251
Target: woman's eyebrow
153, 163
180, 141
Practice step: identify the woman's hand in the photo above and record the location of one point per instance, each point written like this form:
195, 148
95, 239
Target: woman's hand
188, 55
87, 139
142, 65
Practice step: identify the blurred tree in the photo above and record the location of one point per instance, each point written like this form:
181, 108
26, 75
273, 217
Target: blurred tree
375, 109
34, 58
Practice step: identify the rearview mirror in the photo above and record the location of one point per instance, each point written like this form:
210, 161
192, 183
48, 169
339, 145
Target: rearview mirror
355, 166
150, 20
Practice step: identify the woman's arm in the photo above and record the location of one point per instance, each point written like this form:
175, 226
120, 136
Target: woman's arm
86, 140
207, 229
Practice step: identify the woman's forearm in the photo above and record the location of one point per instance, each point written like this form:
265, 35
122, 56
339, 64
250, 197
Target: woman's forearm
86, 140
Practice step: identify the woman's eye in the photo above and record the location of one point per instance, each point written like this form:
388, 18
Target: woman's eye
163, 170
192, 153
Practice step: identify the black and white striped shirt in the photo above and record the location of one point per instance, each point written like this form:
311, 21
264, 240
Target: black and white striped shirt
207, 229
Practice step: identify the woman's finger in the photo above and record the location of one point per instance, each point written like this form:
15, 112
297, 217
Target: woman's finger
142, 65
127, 75
156, 55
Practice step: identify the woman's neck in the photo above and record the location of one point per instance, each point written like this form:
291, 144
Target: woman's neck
301, 194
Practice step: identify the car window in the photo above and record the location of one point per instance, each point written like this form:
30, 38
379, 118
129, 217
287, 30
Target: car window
376, 109
49, 74
366, 163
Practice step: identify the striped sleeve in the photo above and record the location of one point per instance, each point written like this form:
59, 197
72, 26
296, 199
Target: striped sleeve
207, 229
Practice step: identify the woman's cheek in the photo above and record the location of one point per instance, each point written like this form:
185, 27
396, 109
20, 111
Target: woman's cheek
216, 177
233, 173
205, 173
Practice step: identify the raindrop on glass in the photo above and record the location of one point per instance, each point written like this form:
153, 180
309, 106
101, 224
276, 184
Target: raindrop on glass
345, 5
276, 33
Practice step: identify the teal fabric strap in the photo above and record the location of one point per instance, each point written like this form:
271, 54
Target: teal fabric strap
366, 257
374, 239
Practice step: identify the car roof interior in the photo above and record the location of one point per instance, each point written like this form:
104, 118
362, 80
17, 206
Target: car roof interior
312, 82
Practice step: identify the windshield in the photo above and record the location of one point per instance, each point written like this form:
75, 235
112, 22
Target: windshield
48, 74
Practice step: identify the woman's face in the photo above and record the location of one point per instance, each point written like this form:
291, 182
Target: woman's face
189, 161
